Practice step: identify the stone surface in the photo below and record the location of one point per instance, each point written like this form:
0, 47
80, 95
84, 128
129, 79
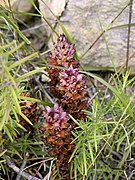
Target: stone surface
81, 19
23, 6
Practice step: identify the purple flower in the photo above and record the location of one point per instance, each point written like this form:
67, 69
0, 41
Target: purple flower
71, 84
54, 118
64, 51
79, 77
71, 70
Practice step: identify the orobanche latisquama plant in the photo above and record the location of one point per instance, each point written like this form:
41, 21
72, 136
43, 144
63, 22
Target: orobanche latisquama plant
29, 109
67, 85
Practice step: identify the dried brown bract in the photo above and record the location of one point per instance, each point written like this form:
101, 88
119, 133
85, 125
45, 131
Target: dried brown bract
29, 109
56, 125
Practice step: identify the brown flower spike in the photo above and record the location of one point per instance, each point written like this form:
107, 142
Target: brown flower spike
29, 109
58, 129
61, 56
67, 85
71, 89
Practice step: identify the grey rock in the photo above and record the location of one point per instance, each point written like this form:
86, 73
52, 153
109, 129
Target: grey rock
81, 19
23, 6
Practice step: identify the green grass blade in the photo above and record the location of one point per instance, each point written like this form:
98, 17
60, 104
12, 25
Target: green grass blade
122, 25
95, 138
25, 39
76, 148
74, 119
130, 111
107, 45
1, 154
35, 100
84, 159
16, 152
15, 99
2, 122
7, 45
91, 152
18, 63
49, 24
14, 49
26, 75
25, 118
15, 28
8, 133
9, 75
26, 13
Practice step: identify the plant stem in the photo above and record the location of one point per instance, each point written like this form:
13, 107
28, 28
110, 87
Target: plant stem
17, 170
129, 30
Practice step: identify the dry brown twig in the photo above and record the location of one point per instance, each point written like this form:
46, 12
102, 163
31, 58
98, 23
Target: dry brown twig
17, 170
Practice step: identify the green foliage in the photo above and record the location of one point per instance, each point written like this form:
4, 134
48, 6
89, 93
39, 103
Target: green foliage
104, 143
108, 131
13, 142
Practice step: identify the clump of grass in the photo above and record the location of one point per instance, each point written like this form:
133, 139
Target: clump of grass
105, 141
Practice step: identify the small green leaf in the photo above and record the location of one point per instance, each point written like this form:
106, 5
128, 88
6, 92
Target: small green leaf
15, 99
76, 148
8, 133
91, 153
84, 159
16, 152
25, 118
74, 119
1, 154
